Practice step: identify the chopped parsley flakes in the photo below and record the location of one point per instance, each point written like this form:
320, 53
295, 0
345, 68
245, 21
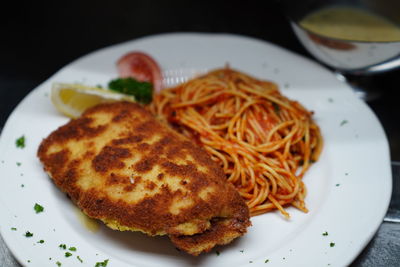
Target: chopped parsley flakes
20, 142
68, 254
63, 246
19, 164
38, 208
344, 122
41, 241
28, 234
72, 249
325, 233
102, 263
58, 263
79, 259
266, 261
332, 244
13, 228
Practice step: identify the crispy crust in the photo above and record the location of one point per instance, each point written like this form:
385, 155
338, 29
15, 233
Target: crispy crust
122, 166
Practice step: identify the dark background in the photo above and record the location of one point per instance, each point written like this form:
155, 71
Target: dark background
38, 38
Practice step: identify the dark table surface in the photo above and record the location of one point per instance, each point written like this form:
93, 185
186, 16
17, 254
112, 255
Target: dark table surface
39, 38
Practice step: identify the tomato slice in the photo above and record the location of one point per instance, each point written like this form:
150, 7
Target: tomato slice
141, 67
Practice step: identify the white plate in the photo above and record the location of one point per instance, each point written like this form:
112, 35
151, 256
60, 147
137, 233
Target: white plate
348, 188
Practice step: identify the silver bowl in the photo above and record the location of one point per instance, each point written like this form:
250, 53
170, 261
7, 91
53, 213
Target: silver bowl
347, 56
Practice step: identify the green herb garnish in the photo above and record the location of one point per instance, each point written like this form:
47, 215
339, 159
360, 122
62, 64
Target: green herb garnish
20, 142
266, 261
38, 208
41, 241
68, 254
63, 246
142, 91
102, 263
58, 263
28, 234
19, 164
79, 259
217, 252
332, 244
13, 228
72, 249
325, 233
344, 122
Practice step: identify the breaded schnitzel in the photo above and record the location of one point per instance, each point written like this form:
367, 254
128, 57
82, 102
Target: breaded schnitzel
122, 166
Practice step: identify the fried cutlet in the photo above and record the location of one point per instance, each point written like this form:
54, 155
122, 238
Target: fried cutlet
120, 165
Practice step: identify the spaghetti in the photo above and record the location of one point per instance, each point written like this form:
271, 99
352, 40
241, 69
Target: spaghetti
263, 141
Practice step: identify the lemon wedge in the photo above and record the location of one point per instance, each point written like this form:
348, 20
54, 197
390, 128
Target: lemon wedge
73, 99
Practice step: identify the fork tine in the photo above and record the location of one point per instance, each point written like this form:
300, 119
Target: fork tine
174, 77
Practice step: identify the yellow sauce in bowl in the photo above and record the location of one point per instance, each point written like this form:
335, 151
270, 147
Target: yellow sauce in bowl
348, 23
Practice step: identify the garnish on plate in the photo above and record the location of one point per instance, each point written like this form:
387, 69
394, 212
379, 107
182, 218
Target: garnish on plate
38, 208
28, 234
142, 67
102, 263
73, 99
20, 142
142, 91
79, 259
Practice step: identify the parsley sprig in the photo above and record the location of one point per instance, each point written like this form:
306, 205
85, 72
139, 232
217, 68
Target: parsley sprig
142, 91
